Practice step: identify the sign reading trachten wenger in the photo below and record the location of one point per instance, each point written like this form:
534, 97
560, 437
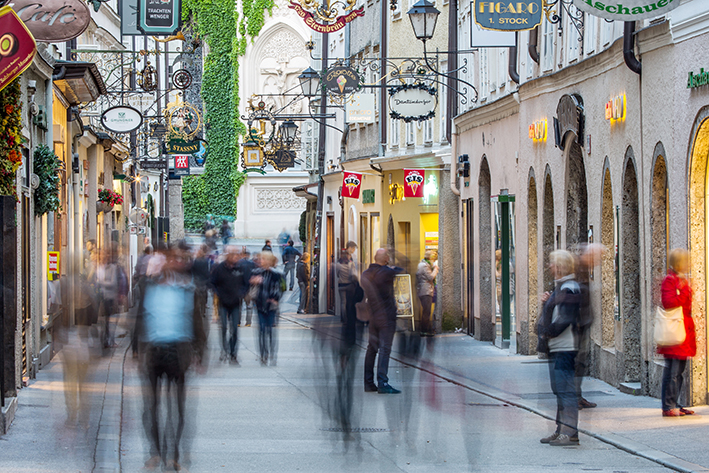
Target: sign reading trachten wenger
159, 17
360, 108
627, 10
54, 21
17, 46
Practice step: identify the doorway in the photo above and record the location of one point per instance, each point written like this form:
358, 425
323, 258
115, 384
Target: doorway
331, 277
468, 246
403, 245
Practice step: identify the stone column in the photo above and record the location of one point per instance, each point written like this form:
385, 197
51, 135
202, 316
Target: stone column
176, 211
8, 295
449, 287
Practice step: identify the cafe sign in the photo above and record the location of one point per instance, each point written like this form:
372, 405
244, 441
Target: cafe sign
341, 80
413, 102
508, 15
17, 46
159, 17
627, 10
121, 119
53, 21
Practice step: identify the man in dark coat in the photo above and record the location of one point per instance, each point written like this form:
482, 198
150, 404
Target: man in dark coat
290, 254
378, 284
229, 283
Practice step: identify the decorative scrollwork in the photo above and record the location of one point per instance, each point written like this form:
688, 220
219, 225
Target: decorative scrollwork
554, 16
148, 78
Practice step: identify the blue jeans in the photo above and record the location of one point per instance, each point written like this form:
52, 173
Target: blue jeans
381, 336
229, 318
672, 379
289, 268
266, 341
563, 384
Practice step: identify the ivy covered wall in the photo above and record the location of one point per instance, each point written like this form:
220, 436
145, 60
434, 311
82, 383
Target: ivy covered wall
217, 22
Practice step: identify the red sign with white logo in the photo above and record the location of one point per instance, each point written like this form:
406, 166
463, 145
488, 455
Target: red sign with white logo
182, 161
17, 46
351, 184
413, 182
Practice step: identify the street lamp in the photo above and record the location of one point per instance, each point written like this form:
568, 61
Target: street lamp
288, 131
423, 16
309, 82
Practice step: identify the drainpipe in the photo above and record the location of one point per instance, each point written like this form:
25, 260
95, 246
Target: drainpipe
343, 145
532, 45
454, 163
629, 48
512, 66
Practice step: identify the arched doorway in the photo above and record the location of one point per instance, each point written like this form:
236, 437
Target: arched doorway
658, 222
631, 306
698, 212
576, 198
487, 323
608, 263
532, 272
548, 230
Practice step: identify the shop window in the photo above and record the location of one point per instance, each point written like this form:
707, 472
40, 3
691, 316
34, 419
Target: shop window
375, 235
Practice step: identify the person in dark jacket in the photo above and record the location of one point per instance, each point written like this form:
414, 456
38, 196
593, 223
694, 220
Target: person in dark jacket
201, 269
378, 285
290, 254
270, 289
558, 327
303, 274
267, 246
247, 267
677, 292
229, 284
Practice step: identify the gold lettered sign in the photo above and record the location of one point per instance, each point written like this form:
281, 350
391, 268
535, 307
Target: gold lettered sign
17, 46
328, 23
508, 15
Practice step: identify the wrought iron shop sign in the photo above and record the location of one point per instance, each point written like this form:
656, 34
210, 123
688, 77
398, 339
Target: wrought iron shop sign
159, 17
282, 159
508, 15
324, 18
54, 21
341, 80
121, 119
627, 10
413, 102
569, 119
17, 46
182, 147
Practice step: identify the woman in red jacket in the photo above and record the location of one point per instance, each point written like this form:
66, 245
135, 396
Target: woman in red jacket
676, 292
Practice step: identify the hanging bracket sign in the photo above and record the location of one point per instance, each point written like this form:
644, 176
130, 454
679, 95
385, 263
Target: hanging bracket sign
54, 21
159, 17
341, 80
507, 15
121, 119
331, 23
627, 10
17, 46
413, 102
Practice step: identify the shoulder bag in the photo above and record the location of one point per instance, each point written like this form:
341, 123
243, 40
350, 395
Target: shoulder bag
669, 327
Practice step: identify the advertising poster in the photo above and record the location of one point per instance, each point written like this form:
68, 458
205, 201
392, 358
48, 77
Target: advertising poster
403, 296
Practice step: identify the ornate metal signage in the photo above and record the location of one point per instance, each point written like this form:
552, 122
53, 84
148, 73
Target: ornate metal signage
176, 146
569, 119
627, 10
159, 17
341, 80
507, 15
282, 159
121, 119
54, 21
327, 17
17, 47
183, 119
413, 102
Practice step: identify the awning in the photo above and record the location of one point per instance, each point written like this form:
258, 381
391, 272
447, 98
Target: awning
425, 160
308, 191
80, 82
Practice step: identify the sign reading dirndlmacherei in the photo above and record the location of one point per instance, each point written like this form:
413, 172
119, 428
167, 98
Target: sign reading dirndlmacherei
413, 102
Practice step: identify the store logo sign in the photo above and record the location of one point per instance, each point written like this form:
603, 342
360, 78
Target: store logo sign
121, 119
538, 131
415, 102
54, 21
615, 109
159, 17
508, 15
697, 80
351, 184
414, 179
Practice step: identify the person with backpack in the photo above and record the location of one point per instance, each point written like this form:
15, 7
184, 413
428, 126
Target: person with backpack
558, 329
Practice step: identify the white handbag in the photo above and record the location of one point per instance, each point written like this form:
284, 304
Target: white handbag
669, 327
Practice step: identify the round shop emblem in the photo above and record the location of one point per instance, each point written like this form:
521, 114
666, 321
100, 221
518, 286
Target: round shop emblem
352, 182
413, 102
341, 80
121, 119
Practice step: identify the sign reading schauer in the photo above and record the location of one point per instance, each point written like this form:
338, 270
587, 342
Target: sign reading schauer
508, 15
697, 80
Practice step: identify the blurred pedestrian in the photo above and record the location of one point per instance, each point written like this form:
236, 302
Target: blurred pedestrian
201, 272
271, 286
225, 232
107, 281
589, 258
677, 292
558, 328
426, 290
228, 282
347, 283
247, 267
267, 246
378, 284
171, 338
303, 275
290, 254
